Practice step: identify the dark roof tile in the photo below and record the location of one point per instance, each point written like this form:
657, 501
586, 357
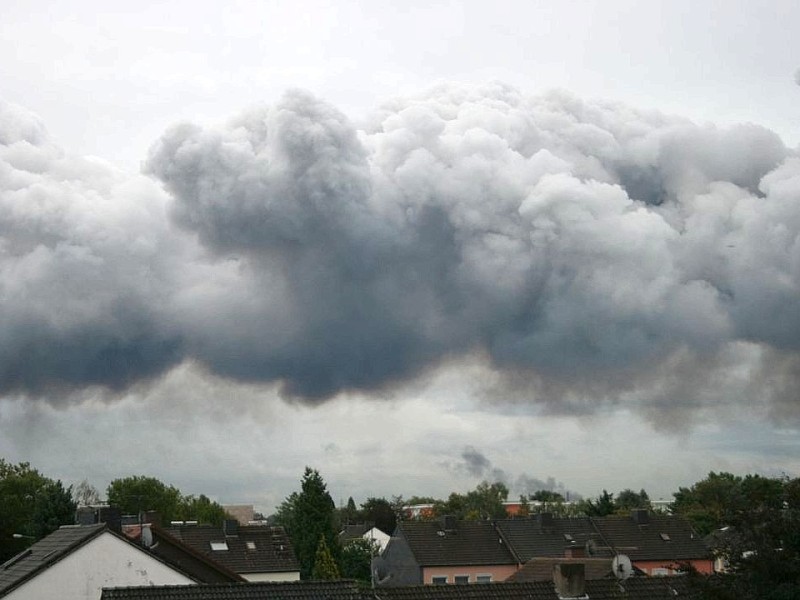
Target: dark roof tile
254, 549
44, 553
469, 543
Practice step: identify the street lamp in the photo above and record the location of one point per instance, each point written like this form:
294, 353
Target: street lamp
19, 536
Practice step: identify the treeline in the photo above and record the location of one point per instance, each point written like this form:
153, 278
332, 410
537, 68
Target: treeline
33, 505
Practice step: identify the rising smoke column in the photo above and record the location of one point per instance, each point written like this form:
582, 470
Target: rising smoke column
586, 251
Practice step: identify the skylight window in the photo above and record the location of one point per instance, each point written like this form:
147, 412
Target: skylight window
568, 537
665, 537
219, 545
251, 545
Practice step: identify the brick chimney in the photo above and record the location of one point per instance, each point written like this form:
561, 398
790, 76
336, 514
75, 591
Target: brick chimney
575, 552
570, 580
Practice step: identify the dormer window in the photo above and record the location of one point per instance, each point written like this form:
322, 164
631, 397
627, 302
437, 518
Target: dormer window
216, 546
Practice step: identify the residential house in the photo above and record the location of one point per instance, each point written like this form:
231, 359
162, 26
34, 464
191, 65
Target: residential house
285, 590
565, 583
77, 561
464, 551
256, 552
365, 531
657, 544
446, 551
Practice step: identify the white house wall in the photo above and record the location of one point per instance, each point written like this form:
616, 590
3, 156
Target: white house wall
106, 561
288, 576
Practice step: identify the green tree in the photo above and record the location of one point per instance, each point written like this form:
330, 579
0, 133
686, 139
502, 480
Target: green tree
601, 506
709, 503
356, 561
140, 493
202, 509
628, 500
307, 515
760, 545
547, 496
31, 505
380, 512
324, 563
349, 514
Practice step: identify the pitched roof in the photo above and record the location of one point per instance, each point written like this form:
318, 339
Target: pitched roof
536, 537
640, 588
282, 590
354, 532
467, 543
47, 551
662, 537
182, 556
541, 569
254, 549
658, 537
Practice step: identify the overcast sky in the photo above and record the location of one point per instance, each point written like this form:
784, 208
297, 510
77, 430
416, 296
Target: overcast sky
413, 246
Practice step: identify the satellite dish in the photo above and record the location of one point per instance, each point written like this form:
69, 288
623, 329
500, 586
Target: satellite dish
621, 566
147, 537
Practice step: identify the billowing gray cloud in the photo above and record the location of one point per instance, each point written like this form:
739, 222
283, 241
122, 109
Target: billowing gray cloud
588, 251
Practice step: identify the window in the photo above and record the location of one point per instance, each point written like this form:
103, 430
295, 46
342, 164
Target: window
569, 537
659, 571
664, 536
461, 578
439, 579
483, 578
250, 545
219, 545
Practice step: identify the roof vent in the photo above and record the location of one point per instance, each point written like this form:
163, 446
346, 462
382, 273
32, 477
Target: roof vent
570, 580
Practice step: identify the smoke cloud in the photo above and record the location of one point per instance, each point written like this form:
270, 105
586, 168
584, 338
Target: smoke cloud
588, 251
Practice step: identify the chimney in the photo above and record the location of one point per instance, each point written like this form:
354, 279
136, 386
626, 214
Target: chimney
575, 552
545, 519
231, 527
640, 516
151, 516
111, 516
85, 515
449, 523
570, 580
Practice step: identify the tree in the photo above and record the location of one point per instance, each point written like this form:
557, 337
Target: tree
201, 509
349, 514
31, 505
628, 500
307, 516
602, 506
140, 493
484, 502
760, 544
85, 494
546, 496
356, 561
324, 564
379, 512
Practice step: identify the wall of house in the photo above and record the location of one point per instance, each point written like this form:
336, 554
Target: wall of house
498, 572
106, 561
705, 567
399, 564
287, 576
